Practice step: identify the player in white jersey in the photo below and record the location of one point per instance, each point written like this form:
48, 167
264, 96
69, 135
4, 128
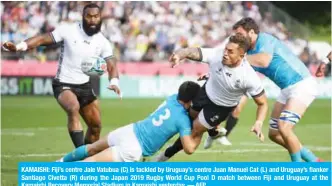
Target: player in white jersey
71, 87
231, 76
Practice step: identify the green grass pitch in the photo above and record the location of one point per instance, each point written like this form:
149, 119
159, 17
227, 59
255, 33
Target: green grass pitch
34, 129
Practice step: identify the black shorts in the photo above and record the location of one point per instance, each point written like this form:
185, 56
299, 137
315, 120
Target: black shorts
210, 113
84, 92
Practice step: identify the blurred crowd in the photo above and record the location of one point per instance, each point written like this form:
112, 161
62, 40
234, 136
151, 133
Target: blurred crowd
142, 31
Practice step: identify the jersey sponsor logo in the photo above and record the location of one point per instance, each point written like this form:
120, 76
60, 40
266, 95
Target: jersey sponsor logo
228, 74
214, 118
237, 83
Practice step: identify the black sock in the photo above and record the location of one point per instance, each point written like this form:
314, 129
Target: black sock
77, 137
175, 148
230, 123
213, 132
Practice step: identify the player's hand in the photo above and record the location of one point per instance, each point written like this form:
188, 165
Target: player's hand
175, 60
203, 77
9, 46
257, 129
321, 70
116, 89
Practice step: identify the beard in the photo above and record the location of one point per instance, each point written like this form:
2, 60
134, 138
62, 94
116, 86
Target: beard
89, 30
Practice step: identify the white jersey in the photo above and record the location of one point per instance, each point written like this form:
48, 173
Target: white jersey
226, 85
76, 46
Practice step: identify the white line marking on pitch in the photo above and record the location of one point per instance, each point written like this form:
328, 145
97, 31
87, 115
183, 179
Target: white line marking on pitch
17, 133
236, 151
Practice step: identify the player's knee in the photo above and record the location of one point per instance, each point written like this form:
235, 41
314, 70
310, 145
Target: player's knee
273, 134
73, 109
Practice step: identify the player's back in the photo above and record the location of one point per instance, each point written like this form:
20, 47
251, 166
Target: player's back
285, 68
169, 119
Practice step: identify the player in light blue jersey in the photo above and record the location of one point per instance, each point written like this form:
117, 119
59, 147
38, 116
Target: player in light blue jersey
272, 58
143, 138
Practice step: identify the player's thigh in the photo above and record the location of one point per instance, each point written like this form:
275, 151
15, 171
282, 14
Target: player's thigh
86, 96
299, 98
91, 113
125, 144
68, 101
103, 156
212, 115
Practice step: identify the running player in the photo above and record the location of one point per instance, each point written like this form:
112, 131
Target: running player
71, 87
272, 58
143, 138
230, 77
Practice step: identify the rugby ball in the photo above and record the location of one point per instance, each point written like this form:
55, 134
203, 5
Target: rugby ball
93, 66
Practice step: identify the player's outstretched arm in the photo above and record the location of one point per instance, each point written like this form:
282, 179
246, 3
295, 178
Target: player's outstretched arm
33, 42
194, 54
262, 109
189, 144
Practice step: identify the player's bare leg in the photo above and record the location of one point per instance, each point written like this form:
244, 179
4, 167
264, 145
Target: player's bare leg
91, 116
274, 133
104, 156
86, 151
68, 101
290, 115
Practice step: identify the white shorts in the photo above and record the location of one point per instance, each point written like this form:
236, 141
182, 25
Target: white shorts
124, 144
304, 91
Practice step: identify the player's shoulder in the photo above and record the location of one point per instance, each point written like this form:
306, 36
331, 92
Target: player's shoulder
68, 27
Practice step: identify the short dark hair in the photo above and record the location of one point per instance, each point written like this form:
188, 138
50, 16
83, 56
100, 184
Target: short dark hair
247, 24
188, 91
91, 5
241, 40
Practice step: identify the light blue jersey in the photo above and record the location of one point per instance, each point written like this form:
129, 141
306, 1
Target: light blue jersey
169, 119
286, 68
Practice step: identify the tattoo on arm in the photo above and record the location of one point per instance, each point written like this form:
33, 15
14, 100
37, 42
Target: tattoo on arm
194, 54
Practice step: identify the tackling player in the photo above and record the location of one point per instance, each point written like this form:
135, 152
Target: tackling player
271, 57
143, 138
230, 77
71, 87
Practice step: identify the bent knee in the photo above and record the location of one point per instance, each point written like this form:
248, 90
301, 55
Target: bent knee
73, 109
273, 134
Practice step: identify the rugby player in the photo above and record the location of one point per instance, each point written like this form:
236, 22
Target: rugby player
272, 58
143, 138
325, 67
71, 87
230, 77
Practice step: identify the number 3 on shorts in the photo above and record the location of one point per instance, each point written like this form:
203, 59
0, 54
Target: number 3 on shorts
161, 118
